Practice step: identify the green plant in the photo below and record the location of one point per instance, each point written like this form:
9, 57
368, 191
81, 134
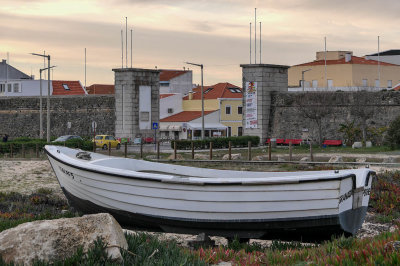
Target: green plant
393, 134
217, 143
351, 132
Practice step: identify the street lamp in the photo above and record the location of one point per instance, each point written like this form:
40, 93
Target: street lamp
48, 93
202, 98
302, 76
41, 112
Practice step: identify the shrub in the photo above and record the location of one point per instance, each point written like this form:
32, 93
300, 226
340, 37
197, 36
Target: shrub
217, 143
393, 134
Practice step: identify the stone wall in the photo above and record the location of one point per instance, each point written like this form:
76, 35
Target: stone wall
19, 116
288, 121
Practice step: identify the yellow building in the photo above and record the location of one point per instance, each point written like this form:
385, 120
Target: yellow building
343, 70
225, 97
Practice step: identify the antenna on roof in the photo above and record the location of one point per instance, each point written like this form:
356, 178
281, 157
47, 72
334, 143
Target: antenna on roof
85, 68
260, 42
131, 48
379, 66
126, 42
250, 42
255, 35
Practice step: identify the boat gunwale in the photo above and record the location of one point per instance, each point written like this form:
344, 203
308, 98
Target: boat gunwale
191, 182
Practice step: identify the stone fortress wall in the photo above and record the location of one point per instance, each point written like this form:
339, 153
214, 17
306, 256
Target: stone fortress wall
19, 116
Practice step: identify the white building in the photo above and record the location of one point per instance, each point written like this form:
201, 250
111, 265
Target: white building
188, 125
176, 81
388, 56
170, 104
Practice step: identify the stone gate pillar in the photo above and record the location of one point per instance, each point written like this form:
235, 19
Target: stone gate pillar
137, 94
259, 80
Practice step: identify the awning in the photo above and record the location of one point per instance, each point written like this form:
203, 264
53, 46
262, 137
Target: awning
174, 128
163, 127
207, 126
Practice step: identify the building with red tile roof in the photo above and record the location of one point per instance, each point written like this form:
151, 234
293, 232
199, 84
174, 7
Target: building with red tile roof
176, 81
68, 87
217, 91
185, 116
100, 89
343, 71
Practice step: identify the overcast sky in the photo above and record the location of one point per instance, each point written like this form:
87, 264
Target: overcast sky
168, 33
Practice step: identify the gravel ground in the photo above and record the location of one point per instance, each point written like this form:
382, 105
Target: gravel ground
27, 177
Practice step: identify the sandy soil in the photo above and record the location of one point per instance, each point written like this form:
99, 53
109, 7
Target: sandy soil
27, 177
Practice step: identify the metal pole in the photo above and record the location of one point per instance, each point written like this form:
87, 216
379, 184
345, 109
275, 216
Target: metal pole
250, 42
48, 100
41, 108
260, 42
202, 104
122, 49
126, 42
85, 69
131, 48
255, 35
379, 66
302, 79
326, 78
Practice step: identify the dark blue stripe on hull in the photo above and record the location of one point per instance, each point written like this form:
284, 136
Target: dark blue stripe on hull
306, 229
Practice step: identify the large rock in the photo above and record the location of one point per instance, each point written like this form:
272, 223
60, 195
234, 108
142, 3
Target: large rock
260, 158
199, 156
389, 159
368, 144
50, 240
357, 145
305, 159
361, 160
336, 159
178, 157
281, 158
234, 156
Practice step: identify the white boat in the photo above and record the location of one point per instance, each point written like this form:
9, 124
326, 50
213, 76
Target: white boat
181, 199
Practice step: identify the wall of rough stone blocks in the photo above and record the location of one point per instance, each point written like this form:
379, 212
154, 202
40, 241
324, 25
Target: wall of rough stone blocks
127, 83
19, 116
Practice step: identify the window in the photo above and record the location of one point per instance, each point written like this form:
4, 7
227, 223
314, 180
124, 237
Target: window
377, 83
65, 86
16, 87
9, 87
164, 83
144, 116
389, 84
240, 131
315, 83
2, 88
235, 90
228, 109
208, 90
240, 110
330, 83
229, 131
365, 82
170, 110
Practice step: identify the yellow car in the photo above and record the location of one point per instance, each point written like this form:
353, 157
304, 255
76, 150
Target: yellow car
102, 141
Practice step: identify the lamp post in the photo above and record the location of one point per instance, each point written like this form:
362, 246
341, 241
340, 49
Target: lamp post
302, 76
202, 98
48, 93
41, 112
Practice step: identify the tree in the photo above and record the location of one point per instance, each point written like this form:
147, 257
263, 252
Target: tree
363, 107
393, 134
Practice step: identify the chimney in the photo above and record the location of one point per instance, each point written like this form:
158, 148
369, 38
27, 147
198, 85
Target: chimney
347, 57
190, 95
3, 61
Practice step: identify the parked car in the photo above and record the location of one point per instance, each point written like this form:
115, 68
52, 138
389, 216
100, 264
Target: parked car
102, 141
148, 140
67, 137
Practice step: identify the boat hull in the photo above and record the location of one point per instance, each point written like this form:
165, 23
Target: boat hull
309, 209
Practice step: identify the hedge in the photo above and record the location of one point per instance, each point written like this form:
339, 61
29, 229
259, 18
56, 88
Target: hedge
217, 143
30, 144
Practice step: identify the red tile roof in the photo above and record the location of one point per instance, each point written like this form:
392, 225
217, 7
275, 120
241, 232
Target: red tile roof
165, 95
185, 116
100, 89
219, 90
75, 87
396, 87
354, 60
166, 75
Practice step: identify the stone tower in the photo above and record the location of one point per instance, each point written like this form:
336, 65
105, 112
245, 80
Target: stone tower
259, 80
137, 94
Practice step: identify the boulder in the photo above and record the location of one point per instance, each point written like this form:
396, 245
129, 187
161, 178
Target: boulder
357, 145
336, 159
305, 159
50, 240
361, 160
151, 157
281, 158
234, 156
368, 144
389, 159
199, 156
178, 157
260, 158
202, 240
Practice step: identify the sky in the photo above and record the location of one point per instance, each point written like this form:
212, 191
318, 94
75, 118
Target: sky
166, 34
